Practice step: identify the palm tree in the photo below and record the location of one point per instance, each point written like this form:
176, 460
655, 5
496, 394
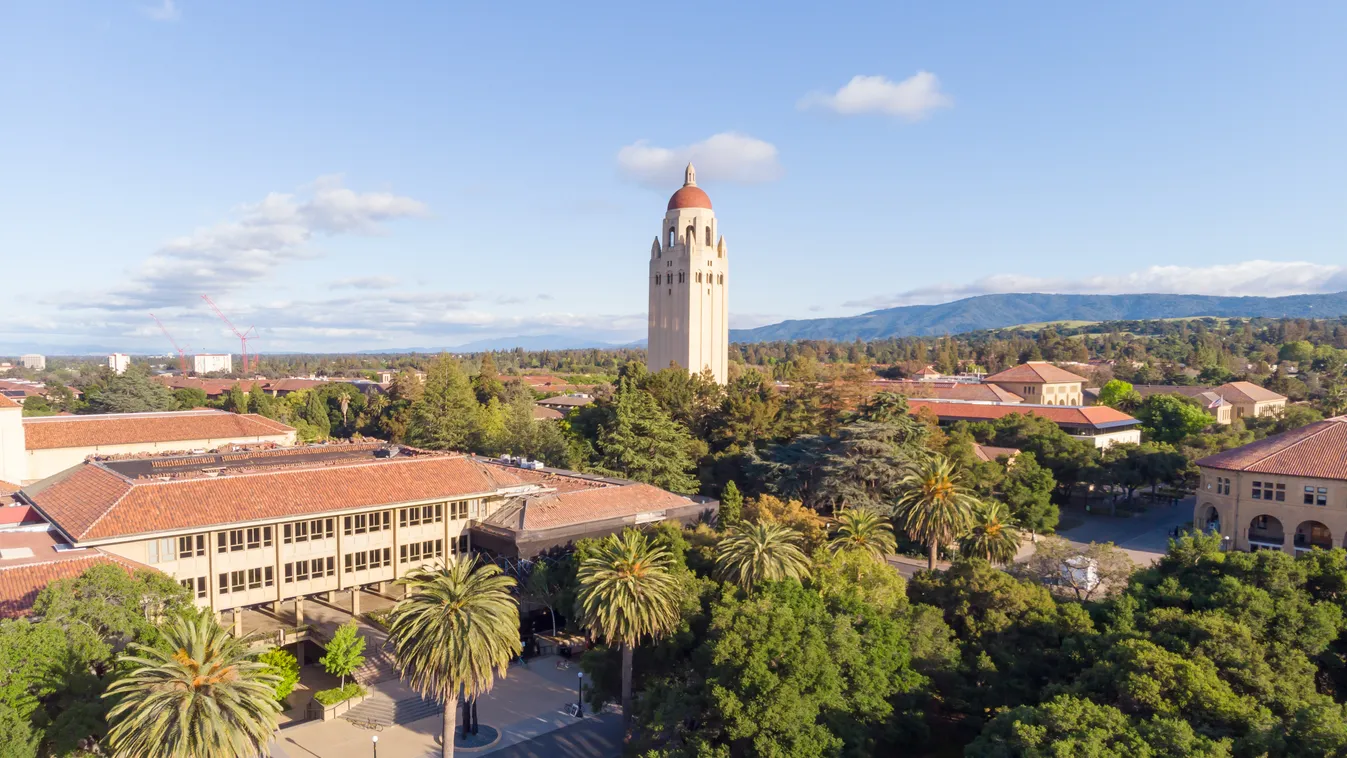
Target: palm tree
455, 630
864, 531
993, 536
195, 694
753, 553
934, 508
628, 591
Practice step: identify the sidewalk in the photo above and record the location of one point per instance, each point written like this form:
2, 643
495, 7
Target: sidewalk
527, 703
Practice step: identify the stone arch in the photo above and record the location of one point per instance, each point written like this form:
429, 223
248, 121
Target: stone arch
1266, 533
1312, 534
1210, 519
671, 238
691, 236
709, 242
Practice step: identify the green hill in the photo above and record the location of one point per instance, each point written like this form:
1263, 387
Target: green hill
1001, 311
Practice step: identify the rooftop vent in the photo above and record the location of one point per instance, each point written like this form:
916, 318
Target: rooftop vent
14, 553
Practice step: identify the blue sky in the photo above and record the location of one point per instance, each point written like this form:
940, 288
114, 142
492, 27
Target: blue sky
381, 175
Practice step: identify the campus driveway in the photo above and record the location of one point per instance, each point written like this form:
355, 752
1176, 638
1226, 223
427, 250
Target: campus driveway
1144, 536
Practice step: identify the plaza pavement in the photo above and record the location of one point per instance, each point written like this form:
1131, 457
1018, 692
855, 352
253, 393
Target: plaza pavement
528, 703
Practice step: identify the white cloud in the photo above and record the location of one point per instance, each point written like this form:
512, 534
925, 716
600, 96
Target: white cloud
365, 283
1260, 278
164, 11
724, 157
912, 99
265, 235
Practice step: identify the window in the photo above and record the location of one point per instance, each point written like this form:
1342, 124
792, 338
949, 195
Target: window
720, 278
331, 565
1316, 496
302, 571
439, 513
230, 541
268, 576
458, 511
201, 585
224, 584
463, 544
254, 537
1263, 491
236, 581
361, 561
387, 557
255, 579
160, 551
316, 567
190, 584
1226, 491
708, 235
289, 573
348, 563
1281, 493
191, 545
327, 524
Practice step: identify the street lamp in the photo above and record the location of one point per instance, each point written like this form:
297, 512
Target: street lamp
579, 694
374, 738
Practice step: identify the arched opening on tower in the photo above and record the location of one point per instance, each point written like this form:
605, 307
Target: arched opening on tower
670, 243
708, 236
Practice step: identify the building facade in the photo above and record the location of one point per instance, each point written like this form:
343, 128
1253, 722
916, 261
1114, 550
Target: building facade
689, 281
1098, 425
1287, 492
1250, 400
207, 363
33, 362
264, 527
52, 444
1041, 383
119, 362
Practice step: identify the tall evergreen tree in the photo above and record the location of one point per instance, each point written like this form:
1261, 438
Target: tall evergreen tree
446, 416
315, 412
639, 441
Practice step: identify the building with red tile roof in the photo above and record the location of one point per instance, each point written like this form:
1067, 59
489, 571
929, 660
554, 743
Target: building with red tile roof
245, 527
1098, 424
987, 393
32, 559
1041, 382
55, 443
1287, 492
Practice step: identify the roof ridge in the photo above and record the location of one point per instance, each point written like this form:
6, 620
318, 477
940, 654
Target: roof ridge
131, 485
95, 553
319, 466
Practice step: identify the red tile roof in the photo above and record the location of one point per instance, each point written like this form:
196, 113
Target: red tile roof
952, 391
1035, 371
991, 453
212, 387
20, 584
689, 196
92, 502
547, 414
7, 403
1097, 416
50, 432
1316, 450
1246, 392
293, 385
563, 509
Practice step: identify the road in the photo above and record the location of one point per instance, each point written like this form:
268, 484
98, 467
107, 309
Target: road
599, 737
1145, 536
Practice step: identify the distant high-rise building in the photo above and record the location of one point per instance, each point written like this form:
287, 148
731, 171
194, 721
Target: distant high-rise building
33, 361
119, 362
207, 363
689, 287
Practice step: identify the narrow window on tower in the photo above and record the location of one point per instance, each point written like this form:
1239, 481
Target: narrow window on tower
708, 236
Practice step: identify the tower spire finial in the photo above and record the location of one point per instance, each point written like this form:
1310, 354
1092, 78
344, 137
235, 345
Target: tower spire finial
690, 176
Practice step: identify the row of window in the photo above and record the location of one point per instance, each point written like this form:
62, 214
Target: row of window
1269, 491
417, 552
194, 545
361, 523
368, 559
251, 579
1223, 485
236, 540
316, 568
303, 531
669, 278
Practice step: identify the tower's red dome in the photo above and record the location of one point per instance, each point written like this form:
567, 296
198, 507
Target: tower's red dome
689, 196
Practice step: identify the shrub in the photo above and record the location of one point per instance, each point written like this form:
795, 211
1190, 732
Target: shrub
284, 665
338, 694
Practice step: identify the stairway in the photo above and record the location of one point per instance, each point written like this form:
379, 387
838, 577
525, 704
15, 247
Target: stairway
378, 664
383, 710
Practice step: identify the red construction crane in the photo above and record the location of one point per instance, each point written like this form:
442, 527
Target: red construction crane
182, 352
243, 336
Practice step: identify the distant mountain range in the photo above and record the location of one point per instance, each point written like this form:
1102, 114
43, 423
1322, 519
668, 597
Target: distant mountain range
999, 311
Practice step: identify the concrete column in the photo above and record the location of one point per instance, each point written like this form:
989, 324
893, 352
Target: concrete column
275, 606
379, 587
299, 653
327, 596
299, 610
355, 601
238, 622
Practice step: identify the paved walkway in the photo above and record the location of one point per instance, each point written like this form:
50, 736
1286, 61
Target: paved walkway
1145, 536
528, 703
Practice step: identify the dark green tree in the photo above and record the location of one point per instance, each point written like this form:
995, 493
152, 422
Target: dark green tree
639, 441
446, 416
731, 505
132, 392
